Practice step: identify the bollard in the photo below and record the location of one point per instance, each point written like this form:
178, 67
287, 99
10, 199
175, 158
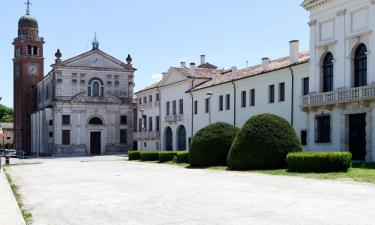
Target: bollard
7, 160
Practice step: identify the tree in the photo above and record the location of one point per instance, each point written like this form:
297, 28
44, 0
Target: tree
6, 114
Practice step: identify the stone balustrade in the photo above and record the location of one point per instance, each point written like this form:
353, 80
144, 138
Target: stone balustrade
339, 96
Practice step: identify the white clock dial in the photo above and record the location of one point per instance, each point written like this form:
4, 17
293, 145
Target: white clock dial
32, 69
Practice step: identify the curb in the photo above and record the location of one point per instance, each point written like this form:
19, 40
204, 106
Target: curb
10, 213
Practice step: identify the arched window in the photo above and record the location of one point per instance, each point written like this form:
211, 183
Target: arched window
96, 121
328, 73
360, 66
96, 88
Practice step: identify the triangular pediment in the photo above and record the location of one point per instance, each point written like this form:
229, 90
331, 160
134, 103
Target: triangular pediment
172, 77
95, 59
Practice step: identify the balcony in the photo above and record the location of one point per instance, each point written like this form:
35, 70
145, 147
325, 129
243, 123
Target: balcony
339, 96
174, 118
146, 136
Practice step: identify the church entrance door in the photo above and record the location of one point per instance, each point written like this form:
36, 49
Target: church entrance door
95, 143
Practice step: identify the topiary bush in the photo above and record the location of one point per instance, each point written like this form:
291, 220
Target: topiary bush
166, 156
263, 143
319, 162
149, 155
210, 145
182, 157
134, 155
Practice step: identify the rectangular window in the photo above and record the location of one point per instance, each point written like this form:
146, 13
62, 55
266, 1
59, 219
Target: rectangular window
281, 92
227, 102
157, 97
305, 86
181, 106
50, 122
174, 107
221, 103
65, 120
124, 120
168, 108
150, 128
140, 101
271, 94
303, 137
323, 129
66, 137
252, 97
140, 125
150, 98
123, 136
145, 123
157, 123
50, 134
145, 99
243, 99
207, 105
195, 107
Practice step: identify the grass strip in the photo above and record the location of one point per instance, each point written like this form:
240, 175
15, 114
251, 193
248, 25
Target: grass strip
27, 216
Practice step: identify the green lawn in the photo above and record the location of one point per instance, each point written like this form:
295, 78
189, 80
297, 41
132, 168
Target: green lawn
362, 172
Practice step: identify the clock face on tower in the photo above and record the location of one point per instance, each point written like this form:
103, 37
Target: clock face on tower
32, 69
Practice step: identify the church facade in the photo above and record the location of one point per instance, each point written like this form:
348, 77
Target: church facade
83, 106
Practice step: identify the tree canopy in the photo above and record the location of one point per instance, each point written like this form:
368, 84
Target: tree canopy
6, 114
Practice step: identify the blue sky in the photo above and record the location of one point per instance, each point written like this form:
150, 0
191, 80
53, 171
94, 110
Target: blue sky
158, 34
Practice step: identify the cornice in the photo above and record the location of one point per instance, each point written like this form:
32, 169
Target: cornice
310, 4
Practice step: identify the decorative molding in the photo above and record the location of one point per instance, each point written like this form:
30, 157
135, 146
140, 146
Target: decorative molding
313, 22
341, 12
358, 35
326, 44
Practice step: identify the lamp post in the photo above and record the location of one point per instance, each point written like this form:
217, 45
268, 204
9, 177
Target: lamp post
142, 127
209, 96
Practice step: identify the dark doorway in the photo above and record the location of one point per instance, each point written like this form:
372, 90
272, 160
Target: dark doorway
181, 134
357, 136
168, 139
95, 143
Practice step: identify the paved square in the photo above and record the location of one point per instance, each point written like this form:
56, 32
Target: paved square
108, 190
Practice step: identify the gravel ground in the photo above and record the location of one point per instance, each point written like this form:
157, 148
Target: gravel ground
108, 190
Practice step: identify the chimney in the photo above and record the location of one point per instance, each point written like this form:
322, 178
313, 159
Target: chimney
192, 66
203, 59
294, 51
183, 64
265, 63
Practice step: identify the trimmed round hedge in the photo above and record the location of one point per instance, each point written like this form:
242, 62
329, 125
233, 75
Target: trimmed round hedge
210, 145
263, 143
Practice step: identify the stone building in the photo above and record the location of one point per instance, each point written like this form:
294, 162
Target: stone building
8, 131
85, 106
328, 94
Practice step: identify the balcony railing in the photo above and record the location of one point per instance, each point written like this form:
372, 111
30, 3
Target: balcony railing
339, 96
174, 118
148, 105
147, 136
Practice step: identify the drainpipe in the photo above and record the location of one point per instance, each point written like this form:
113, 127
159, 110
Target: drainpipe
192, 114
158, 90
234, 102
292, 99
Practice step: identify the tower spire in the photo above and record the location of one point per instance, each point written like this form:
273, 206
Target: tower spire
28, 3
95, 43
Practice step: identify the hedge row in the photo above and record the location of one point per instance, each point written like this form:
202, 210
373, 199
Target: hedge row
161, 156
134, 155
166, 156
319, 162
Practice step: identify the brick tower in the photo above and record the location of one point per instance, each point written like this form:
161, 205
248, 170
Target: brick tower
28, 71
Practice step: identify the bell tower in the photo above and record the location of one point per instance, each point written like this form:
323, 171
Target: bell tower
28, 71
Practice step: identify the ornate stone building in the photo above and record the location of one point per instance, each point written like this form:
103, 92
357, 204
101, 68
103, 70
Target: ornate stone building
28, 71
83, 106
